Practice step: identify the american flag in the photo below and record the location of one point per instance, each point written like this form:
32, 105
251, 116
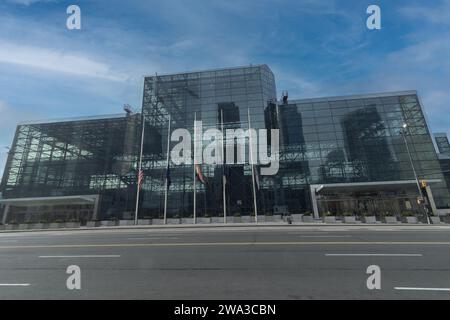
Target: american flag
140, 178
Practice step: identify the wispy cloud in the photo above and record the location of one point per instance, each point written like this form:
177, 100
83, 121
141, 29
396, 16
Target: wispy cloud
435, 13
29, 2
56, 61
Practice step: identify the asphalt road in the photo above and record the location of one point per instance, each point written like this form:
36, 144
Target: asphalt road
286, 262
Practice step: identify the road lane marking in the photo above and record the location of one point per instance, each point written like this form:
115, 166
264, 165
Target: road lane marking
154, 238
80, 256
422, 289
205, 244
373, 255
14, 284
347, 236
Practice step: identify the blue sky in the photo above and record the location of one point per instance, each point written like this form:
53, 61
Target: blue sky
315, 48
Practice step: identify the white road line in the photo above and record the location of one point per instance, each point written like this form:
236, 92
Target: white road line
14, 284
9, 241
157, 238
373, 255
326, 236
422, 289
80, 256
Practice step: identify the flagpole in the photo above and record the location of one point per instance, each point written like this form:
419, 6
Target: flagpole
253, 168
223, 172
139, 170
167, 169
195, 174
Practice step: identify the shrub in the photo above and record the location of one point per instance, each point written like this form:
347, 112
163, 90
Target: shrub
407, 214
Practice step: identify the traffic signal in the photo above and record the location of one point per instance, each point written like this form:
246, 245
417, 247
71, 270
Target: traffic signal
423, 184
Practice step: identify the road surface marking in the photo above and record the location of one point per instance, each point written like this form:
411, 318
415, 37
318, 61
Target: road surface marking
9, 241
373, 255
154, 238
348, 236
204, 244
81, 256
14, 284
422, 289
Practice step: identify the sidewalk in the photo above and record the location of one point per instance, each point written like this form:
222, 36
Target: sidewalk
236, 225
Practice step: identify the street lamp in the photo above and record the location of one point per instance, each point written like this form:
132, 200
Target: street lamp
403, 132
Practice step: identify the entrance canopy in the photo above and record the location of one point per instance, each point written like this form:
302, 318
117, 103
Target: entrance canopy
383, 186
50, 201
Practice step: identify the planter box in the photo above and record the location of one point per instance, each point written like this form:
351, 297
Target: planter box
236, 219
187, 221
261, 219
390, 220
247, 219
445, 219
308, 219
174, 221
217, 219
2, 227
277, 218
203, 220
369, 219
25, 226
93, 224
435, 220
331, 219
126, 222
40, 226
350, 220
56, 225
410, 220
10, 227
144, 222
156, 222
72, 225
270, 219
296, 217
108, 223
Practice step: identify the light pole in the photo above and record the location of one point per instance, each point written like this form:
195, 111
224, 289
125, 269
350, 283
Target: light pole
420, 199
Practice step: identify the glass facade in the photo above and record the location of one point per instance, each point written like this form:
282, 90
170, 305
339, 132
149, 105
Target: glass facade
442, 143
74, 157
353, 147
205, 96
357, 140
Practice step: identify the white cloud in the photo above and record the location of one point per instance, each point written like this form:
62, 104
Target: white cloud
56, 61
29, 2
439, 14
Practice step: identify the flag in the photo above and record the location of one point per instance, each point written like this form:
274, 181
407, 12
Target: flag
257, 178
140, 179
168, 180
199, 174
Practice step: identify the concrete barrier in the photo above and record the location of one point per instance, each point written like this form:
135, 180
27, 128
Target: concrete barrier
187, 221
330, 219
126, 222
217, 220
174, 221
93, 224
435, 220
369, 219
157, 222
410, 220
350, 220
203, 220
390, 220
308, 219
297, 217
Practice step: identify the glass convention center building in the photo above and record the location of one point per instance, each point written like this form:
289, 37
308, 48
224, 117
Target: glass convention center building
356, 155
